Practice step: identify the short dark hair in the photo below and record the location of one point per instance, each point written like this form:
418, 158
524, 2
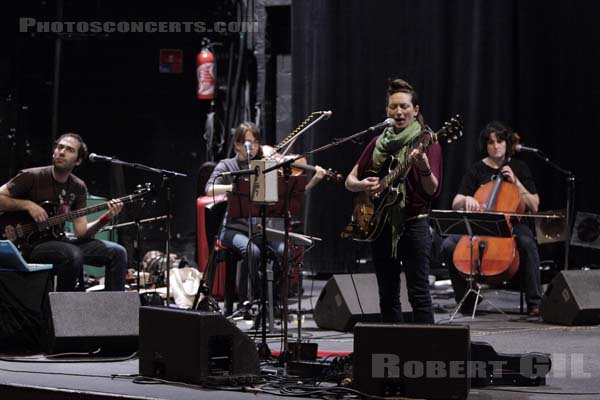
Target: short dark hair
83, 150
240, 132
502, 130
399, 85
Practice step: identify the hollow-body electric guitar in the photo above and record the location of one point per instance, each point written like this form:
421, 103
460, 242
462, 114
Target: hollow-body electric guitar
370, 210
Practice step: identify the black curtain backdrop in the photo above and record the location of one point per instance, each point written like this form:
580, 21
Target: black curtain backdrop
111, 92
529, 63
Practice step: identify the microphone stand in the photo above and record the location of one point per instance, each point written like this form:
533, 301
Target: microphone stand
570, 182
286, 166
136, 243
250, 248
338, 141
166, 183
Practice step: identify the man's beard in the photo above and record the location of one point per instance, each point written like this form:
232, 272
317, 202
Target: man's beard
61, 168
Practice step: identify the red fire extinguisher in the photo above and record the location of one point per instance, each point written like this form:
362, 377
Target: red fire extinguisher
206, 71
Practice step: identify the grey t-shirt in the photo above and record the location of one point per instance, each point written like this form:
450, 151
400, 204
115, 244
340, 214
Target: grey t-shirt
226, 165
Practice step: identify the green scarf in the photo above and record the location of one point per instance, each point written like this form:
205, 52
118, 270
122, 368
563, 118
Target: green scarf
392, 143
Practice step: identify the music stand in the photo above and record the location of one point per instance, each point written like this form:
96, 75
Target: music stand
290, 198
238, 199
471, 224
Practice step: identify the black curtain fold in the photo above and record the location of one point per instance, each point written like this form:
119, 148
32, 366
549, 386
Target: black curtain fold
529, 63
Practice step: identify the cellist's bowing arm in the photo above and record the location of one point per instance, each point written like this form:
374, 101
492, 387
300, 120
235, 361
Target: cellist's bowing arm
532, 201
463, 202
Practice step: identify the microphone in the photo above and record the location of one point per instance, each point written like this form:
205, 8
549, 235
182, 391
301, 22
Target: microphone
519, 148
93, 157
326, 114
386, 123
248, 146
251, 171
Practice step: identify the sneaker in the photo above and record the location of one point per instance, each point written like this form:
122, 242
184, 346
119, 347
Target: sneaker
533, 311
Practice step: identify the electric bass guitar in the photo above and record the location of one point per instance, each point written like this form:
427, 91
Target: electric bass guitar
370, 210
24, 232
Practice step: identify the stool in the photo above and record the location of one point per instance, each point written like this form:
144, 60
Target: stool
221, 274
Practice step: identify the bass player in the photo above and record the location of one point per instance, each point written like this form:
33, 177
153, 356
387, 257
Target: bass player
57, 184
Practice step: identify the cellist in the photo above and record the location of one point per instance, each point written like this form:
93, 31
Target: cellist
495, 140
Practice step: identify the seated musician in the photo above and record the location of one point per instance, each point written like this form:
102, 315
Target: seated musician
494, 139
57, 184
236, 239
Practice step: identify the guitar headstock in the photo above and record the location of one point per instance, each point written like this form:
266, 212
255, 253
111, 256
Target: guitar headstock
452, 129
146, 188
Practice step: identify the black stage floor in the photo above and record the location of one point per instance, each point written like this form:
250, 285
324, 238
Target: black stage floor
574, 351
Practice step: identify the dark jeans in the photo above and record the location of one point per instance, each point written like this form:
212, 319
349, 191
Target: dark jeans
529, 266
414, 251
240, 244
69, 255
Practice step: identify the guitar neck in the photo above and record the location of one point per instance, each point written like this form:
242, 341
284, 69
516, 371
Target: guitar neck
403, 167
62, 218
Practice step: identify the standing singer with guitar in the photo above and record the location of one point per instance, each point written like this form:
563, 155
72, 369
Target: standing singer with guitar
406, 235
57, 184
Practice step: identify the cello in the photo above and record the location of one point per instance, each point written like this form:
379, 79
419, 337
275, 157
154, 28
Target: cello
492, 259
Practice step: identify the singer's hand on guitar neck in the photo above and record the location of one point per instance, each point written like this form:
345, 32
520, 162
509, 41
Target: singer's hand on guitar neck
420, 159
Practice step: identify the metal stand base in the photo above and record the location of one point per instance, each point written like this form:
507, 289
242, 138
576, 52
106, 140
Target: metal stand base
478, 295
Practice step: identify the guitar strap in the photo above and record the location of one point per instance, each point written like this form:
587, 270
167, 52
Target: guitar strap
396, 213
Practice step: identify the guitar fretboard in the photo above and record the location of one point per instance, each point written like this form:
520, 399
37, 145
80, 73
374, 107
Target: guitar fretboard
403, 167
455, 124
62, 218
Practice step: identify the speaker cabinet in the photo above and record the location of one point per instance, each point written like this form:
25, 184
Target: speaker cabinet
350, 298
23, 310
572, 298
419, 361
88, 322
195, 347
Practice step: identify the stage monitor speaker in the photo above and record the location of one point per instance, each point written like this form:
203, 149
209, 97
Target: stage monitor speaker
422, 361
195, 347
572, 298
23, 310
350, 298
88, 322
